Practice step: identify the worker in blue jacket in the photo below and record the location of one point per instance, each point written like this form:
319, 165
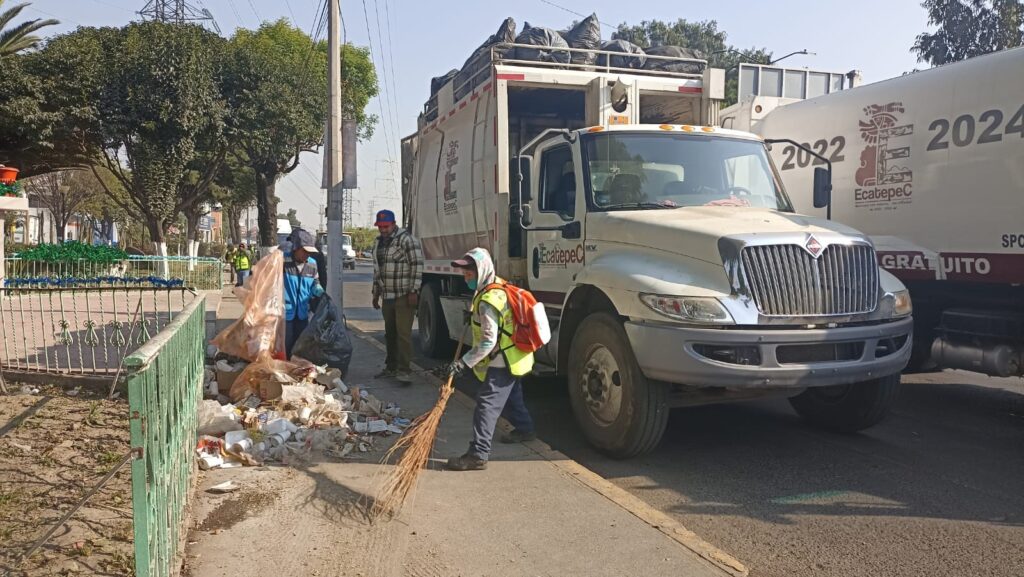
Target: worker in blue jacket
300, 285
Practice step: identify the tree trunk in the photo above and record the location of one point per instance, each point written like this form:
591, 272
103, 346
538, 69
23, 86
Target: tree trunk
231, 224
159, 240
266, 207
62, 229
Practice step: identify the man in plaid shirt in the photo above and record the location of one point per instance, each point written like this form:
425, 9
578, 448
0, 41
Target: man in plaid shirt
397, 274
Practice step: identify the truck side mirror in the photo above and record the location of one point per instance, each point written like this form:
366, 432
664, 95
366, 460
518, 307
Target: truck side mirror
822, 187
526, 215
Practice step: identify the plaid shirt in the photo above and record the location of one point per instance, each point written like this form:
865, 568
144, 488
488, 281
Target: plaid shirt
397, 265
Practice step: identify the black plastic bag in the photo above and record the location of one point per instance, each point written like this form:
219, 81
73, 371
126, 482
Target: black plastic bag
326, 340
636, 60
479, 60
547, 41
438, 82
674, 52
586, 36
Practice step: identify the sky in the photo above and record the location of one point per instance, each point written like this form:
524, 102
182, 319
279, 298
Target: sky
414, 40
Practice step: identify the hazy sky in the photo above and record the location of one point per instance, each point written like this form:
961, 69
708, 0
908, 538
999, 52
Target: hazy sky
426, 39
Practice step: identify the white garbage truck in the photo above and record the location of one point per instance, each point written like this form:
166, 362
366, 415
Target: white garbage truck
673, 267
931, 166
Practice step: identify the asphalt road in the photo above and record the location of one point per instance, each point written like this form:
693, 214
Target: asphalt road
936, 490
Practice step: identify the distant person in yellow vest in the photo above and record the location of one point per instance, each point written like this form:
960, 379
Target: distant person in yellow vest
495, 360
243, 264
229, 260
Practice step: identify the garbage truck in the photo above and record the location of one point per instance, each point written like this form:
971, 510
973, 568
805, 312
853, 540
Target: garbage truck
931, 166
666, 250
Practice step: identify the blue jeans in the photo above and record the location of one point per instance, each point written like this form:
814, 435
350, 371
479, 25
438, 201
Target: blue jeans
292, 330
500, 393
242, 275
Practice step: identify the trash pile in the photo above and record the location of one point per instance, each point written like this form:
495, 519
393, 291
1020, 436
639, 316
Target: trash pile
259, 407
286, 414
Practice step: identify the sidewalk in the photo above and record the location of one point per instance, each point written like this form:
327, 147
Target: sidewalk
532, 512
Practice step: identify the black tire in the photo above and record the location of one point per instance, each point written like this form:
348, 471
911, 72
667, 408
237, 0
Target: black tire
435, 341
636, 425
848, 408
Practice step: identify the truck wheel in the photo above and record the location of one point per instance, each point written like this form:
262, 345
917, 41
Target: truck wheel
848, 408
619, 410
434, 339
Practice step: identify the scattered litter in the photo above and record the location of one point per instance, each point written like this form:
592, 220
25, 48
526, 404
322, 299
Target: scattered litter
225, 487
288, 411
29, 390
74, 392
23, 448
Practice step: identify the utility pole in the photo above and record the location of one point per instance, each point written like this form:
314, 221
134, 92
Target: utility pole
335, 196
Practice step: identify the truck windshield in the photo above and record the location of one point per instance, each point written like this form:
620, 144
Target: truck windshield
638, 171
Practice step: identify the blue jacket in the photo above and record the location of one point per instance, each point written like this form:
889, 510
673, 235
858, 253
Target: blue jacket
300, 285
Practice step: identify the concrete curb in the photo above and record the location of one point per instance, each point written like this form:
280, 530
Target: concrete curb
570, 468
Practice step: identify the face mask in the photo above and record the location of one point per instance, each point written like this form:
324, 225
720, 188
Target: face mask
471, 284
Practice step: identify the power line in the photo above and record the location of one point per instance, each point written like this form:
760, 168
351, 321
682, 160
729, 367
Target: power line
62, 18
391, 52
384, 67
384, 122
238, 16
560, 7
259, 19
289, 5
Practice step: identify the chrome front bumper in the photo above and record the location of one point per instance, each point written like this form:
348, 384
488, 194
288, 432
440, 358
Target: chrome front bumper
670, 353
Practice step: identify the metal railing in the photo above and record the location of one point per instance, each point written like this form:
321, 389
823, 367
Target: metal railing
201, 273
165, 379
82, 331
478, 70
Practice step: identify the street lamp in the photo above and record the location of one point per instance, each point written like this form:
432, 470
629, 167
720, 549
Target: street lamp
804, 52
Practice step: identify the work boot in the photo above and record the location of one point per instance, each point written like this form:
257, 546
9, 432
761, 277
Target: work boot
385, 374
466, 462
404, 377
517, 436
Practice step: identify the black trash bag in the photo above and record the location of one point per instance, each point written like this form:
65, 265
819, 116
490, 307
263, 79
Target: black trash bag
438, 82
480, 59
545, 37
586, 36
626, 47
325, 341
674, 52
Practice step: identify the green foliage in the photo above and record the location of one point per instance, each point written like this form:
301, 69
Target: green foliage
968, 28
72, 252
12, 189
14, 39
358, 86
363, 238
704, 36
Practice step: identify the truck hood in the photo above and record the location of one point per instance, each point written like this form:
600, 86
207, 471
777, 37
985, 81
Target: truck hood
695, 231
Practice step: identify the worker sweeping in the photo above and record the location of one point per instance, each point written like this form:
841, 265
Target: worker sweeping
495, 359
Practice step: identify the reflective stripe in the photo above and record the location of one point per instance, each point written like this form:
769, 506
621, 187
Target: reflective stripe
518, 362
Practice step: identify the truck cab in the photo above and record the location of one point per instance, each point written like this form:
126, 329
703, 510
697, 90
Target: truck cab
666, 250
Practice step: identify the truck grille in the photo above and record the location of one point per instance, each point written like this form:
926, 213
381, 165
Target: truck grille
785, 280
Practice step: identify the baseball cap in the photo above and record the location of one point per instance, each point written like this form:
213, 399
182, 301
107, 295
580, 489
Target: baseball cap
302, 238
467, 261
384, 217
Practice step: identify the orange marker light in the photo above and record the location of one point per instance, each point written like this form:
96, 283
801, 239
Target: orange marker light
687, 128
595, 129
665, 127
707, 129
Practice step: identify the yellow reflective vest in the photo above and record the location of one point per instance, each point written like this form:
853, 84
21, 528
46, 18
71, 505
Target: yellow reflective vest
518, 362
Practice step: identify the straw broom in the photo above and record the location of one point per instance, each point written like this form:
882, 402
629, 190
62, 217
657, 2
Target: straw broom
418, 443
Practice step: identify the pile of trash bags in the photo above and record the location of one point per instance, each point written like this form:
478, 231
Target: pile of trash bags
262, 406
550, 45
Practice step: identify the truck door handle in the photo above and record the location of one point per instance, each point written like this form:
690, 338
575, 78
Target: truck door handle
535, 264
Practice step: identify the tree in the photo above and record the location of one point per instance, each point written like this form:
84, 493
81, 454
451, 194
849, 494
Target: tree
703, 36
19, 37
276, 86
57, 192
235, 191
157, 105
968, 28
292, 216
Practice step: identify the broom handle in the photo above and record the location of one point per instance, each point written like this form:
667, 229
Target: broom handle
458, 353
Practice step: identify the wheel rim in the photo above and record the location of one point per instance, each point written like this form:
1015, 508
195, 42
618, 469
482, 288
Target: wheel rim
601, 386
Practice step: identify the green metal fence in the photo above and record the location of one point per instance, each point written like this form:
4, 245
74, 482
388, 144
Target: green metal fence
201, 273
165, 380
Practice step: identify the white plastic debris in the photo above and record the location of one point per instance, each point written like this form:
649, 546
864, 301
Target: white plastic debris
217, 419
208, 375
225, 487
28, 390
225, 366
211, 351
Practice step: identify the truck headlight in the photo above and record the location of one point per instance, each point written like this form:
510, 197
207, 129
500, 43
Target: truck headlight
690, 309
900, 303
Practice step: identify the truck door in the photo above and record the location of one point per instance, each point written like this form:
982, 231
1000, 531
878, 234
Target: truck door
556, 256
